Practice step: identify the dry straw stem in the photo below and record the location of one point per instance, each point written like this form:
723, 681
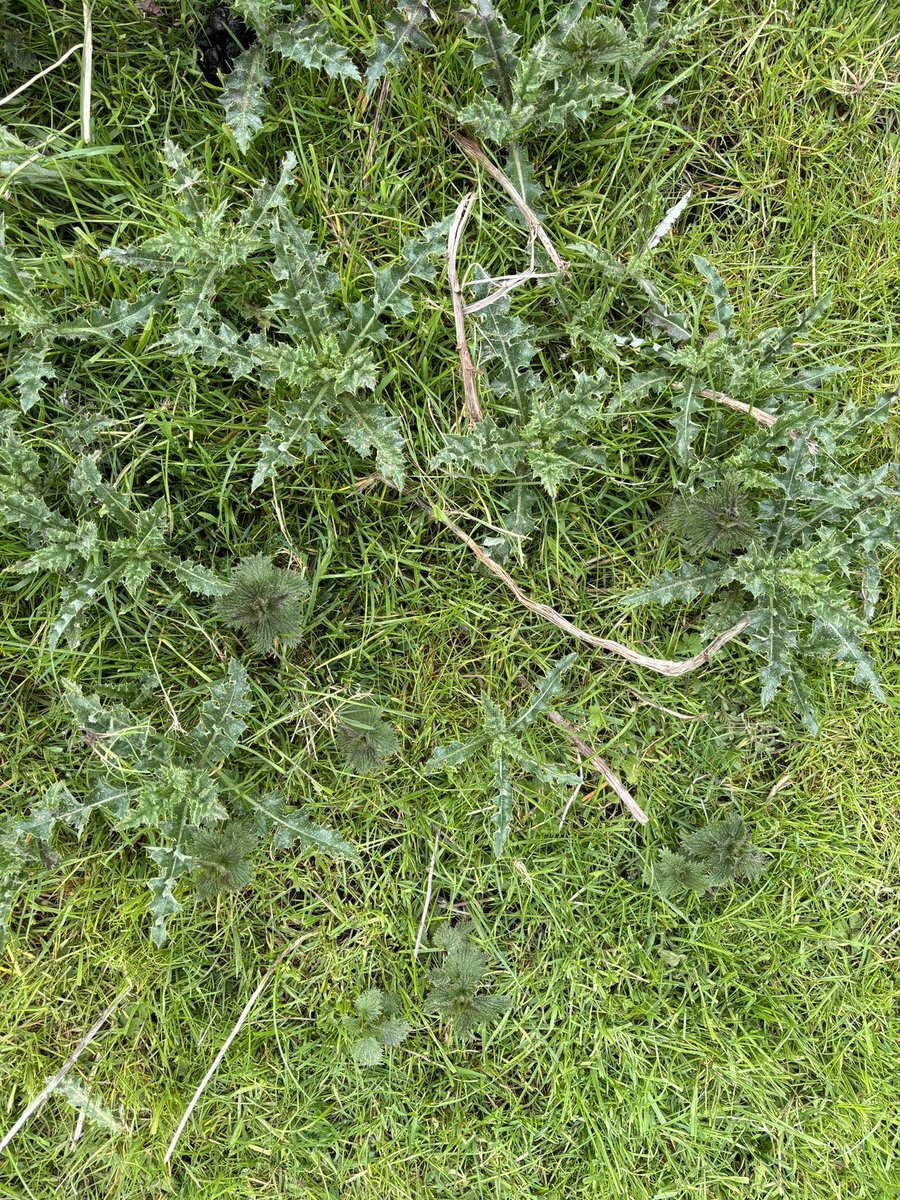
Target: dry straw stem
466, 366
758, 414
65, 1068
245, 1012
40, 75
428, 885
662, 666
599, 764
87, 73
471, 148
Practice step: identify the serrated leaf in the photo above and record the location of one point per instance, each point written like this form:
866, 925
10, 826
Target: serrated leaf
368, 429
367, 1051
502, 804
32, 371
688, 405
311, 44
292, 826
402, 30
393, 1032
723, 309
199, 580
244, 95
73, 602
221, 722
685, 583
445, 758
543, 694
121, 317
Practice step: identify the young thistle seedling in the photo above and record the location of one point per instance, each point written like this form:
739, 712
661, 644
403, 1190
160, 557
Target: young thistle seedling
315, 354
374, 1026
777, 523
103, 547
199, 821
363, 738
457, 995
719, 854
310, 43
500, 739
264, 603
35, 325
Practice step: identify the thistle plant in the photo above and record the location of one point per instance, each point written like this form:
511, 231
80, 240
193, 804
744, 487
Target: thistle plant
456, 994
172, 789
374, 1026
264, 603
309, 42
715, 856
315, 356
363, 738
781, 526
103, 547
535, 431
499, 737
581, 64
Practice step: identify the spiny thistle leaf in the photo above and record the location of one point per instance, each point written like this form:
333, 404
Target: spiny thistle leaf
291, 827
402, 30
310, 44
77, 1095
244, 96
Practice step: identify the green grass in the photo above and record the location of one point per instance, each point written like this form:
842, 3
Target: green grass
740, 1046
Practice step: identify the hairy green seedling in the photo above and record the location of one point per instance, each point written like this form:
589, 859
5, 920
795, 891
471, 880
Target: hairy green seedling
374, 1026
715, 856
363, 738
457, 994
264, 603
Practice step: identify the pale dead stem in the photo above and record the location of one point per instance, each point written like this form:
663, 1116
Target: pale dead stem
662, 666
67, 1066
466, 366
245, 1012
601, 766
472, 150
506, 283
758, 414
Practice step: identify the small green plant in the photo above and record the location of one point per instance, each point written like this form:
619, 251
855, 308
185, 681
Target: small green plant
264, 603
34, 324
172, 789
78, 1096
309, 42
375, 1027
500, 738
456, 993
719, 854
363, 738
107, 546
